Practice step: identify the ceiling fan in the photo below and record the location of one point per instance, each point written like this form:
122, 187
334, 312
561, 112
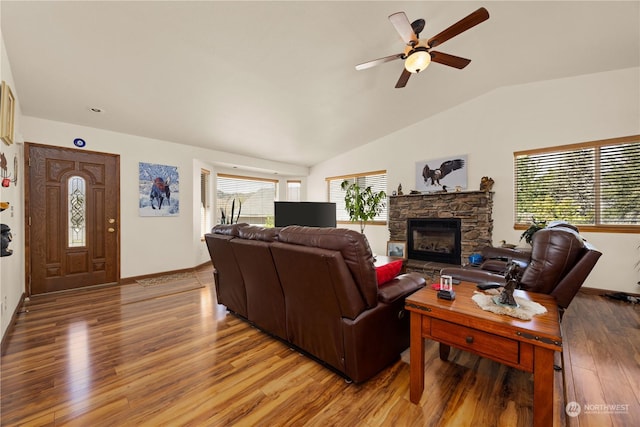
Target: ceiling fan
418, 54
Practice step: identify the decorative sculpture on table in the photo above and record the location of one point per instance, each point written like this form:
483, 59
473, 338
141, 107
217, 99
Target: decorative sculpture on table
512, 279
446, 288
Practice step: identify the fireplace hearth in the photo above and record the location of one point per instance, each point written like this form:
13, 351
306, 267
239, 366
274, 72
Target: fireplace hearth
433, 239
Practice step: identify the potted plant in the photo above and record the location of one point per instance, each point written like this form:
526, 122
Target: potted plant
223, 213
527, 235
362, 204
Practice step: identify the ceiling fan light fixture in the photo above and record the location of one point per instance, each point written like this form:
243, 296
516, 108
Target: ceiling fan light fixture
417, 60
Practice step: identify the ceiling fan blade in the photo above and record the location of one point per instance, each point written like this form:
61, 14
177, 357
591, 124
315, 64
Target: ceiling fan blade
450, 60
462, 25
403, 27
378, 61
404, 78
418, 26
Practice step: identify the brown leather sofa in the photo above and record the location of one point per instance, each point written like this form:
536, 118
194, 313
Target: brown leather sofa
316, 289
558, 264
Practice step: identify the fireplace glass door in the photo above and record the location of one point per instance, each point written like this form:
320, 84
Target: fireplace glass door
435, 240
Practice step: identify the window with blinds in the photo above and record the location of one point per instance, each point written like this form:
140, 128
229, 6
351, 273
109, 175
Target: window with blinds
245, 199
205, 202
376, 180
593, 184
293, 191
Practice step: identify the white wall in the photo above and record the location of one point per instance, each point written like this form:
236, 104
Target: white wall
12, 267
153, 244
489, 129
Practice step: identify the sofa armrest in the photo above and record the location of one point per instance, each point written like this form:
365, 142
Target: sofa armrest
401, 286
523, 255
497, 266
474, 275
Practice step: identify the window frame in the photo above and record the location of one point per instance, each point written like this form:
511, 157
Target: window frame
355, 176
206, 217
275, 183
597, 227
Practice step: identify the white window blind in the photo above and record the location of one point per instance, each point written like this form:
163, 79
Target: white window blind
376, 180
592, 184
293, 191
250, 198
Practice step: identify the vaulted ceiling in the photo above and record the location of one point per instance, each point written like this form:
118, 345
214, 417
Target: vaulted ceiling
276, 80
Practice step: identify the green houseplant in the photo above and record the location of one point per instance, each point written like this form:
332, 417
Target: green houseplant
527, 235
362, 204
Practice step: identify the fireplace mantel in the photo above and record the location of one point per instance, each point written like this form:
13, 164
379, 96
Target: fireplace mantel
473, 208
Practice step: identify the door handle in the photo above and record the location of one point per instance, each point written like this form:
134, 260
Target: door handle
111, 229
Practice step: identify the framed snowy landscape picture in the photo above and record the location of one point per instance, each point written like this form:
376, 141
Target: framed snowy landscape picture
445, 174
159, 190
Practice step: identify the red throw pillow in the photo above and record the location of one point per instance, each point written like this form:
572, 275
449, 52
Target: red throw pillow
388, 272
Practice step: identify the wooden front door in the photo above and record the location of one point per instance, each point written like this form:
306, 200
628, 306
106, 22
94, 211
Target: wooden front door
72, 205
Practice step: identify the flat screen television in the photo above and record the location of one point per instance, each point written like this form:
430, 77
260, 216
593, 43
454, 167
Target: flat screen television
311, 214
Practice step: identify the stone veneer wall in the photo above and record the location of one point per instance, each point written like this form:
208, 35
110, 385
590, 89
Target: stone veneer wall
474, 208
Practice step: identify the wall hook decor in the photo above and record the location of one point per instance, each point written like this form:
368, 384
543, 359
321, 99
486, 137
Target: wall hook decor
4, 171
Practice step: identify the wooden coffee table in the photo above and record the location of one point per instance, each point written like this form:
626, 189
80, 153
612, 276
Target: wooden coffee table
528, 345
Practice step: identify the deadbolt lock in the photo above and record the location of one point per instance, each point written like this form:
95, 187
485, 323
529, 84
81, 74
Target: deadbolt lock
111, 220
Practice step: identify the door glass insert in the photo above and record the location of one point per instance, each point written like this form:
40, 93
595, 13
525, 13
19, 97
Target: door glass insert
77, 212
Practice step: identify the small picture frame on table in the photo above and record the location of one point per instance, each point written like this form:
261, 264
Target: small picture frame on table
397, 248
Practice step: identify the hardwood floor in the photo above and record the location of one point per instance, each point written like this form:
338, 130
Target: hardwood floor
86, 358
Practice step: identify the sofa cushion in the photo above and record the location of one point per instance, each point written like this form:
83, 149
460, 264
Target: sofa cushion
353, 246
228, 229
555, 252
253, 232
385, 273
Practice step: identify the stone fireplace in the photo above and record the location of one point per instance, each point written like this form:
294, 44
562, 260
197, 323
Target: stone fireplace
472, 210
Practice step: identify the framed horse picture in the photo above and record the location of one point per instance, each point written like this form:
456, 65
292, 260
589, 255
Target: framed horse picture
159, 190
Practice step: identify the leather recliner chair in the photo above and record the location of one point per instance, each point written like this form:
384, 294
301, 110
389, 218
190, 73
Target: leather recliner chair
558, 264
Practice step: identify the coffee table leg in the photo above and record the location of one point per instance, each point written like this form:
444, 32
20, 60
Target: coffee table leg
416, 368
444, 352
542, 387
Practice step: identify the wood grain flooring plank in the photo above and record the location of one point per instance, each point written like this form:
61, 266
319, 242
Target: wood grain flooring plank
84, 358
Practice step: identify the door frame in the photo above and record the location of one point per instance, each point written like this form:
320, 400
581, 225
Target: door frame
27, 211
